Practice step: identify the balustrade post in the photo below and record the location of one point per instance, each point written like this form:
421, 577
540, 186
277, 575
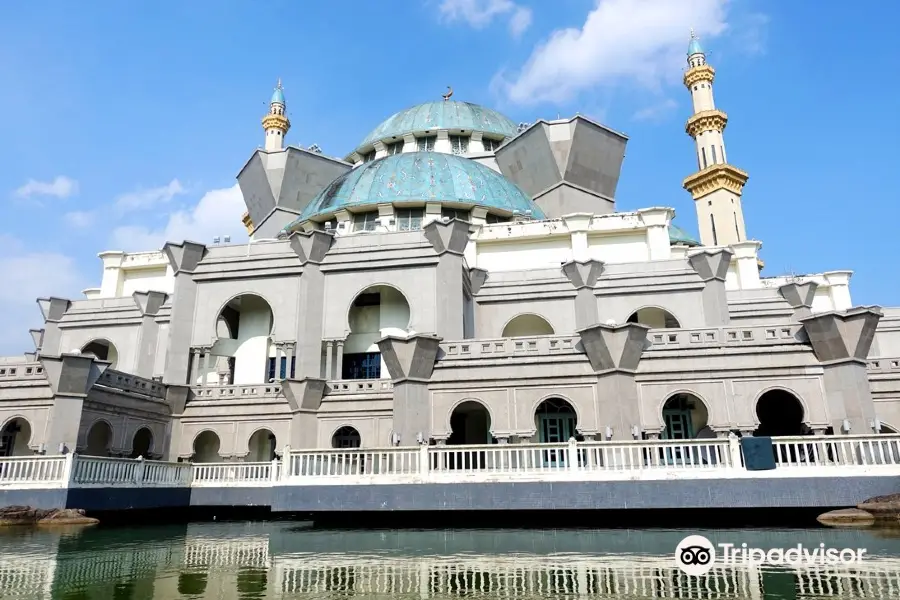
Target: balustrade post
423, 460
68, 474
273, 476
572, 451
285, 462
734, 450
139, 472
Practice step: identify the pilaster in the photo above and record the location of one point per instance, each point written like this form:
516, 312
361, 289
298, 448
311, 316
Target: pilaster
583, 275
53, 310
71, 376
410, 362
841, 342
149, 304
183, 258
578, 225
657, 222
615, 353
712, 267
449, 241
746, 256
311, 249
839, 282
800, 296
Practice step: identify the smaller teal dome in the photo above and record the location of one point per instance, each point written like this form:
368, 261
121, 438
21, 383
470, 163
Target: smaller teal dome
694, 47
677, 235
278, 95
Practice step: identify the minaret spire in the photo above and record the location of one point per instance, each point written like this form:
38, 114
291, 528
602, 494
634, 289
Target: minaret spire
716, 186
275, 123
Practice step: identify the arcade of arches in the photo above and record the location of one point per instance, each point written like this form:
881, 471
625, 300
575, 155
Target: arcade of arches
243, 352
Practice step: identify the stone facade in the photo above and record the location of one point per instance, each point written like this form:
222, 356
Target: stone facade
446, 320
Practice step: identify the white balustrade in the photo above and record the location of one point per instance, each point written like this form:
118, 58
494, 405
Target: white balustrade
235, 474
33, 471
809, 456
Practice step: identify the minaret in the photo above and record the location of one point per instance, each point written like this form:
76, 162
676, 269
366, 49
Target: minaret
717, 186
276, 123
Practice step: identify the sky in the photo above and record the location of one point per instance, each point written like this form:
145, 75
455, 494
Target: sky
123, 125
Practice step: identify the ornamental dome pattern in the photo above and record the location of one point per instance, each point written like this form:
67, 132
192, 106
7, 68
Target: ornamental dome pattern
445, 114
420, 177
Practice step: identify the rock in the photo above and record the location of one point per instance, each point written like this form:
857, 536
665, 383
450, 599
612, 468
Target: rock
26, 515
882, 507
846, 517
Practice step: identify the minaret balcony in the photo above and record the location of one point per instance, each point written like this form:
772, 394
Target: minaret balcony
707, 120
699, 73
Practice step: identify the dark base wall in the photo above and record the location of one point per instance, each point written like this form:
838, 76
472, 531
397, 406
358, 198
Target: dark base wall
822, 492
35, 498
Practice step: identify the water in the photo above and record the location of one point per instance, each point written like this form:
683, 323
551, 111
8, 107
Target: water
226, 561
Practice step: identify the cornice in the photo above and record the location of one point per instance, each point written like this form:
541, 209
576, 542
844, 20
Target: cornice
708, 120
698, 74
716, 177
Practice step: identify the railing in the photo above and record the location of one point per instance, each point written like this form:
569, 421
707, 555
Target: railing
884, 365
236, 474
224, 392
25, 370
804, 456
360, 386
541, 345
715, 337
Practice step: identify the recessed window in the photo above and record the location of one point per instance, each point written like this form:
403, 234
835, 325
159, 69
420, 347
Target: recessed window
491, 219
409, 219
369, 156
459, 144
455, 213
490, 144
365, 221
395, 148
425, 144
365, 365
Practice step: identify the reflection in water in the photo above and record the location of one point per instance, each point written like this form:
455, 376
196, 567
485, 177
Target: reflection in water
277, 560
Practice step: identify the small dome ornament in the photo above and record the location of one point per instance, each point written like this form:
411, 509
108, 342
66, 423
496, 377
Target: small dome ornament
449, 93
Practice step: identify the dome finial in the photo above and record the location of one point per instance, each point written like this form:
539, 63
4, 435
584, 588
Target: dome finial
448, 94
694, 46
693, 36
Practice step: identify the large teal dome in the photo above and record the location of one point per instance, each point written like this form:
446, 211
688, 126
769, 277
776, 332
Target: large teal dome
420, 177
444, 114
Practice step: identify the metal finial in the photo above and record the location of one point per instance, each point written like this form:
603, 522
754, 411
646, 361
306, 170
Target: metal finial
448, 94
693, 35
278, 85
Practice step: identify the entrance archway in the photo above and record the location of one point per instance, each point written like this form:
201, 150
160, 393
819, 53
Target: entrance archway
103, 350
655, 318
780, 413
470, 423
377, 311
206, 448
142, 443
14, 438
684, 415
99, 439
527, 325
262, 446
346, 437
555, 421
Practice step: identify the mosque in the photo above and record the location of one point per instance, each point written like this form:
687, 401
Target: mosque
457, 278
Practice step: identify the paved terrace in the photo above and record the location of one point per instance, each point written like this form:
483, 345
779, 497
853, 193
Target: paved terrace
812, 471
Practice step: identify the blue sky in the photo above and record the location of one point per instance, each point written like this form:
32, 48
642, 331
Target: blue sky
123, 124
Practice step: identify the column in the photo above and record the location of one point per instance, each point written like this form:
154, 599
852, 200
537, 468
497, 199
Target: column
800, 296
149, 304
432, 213
70, 376
380, 150
476, 143
442, 143
746, 255
183, 258
329, 360
339, 360
53, 310
410, 362
289, 357
614, 353
343, 223
409, 143
657, 222
841, 342
386, 217
578, 225
195, 367
840, 288
583, 276
712, 267
449, 242
311, 249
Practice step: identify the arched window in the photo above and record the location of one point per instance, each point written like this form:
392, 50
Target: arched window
103, 350
527, 325
376, 312
243, 353
655, 318
206, 448
346, 437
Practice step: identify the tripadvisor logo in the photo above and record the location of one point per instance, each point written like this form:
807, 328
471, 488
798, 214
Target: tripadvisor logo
696, 555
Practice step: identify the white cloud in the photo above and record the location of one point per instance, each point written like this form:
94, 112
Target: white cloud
218, 213
79, 219
621, 41
28, 275
655, 111
480, 13
61, 187
149, 198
